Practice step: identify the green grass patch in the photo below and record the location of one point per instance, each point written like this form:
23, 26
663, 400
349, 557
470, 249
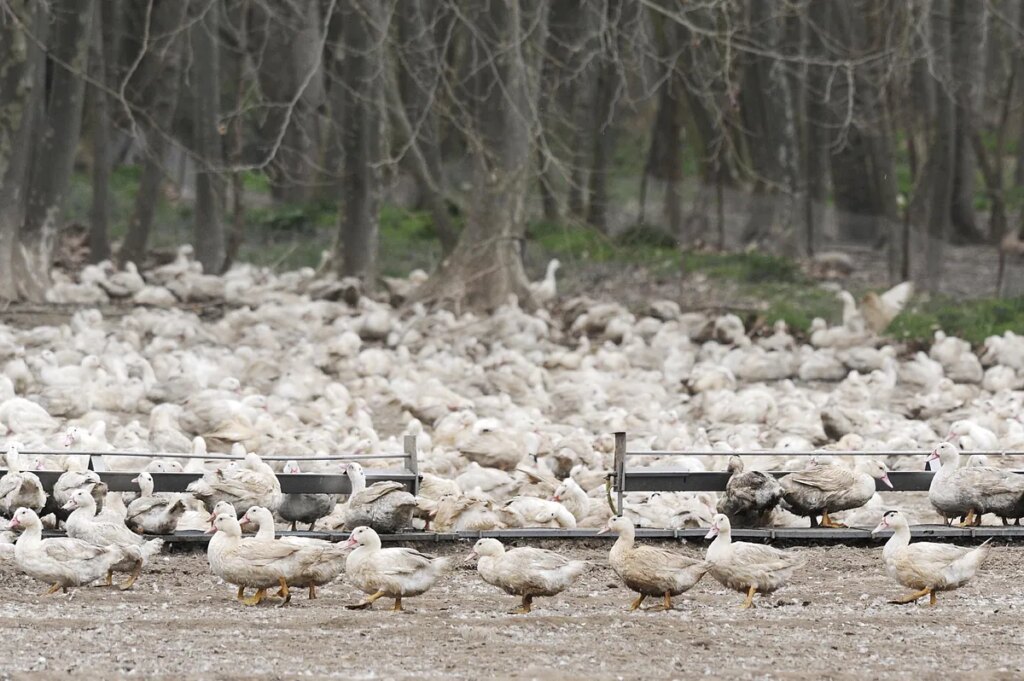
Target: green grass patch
974, 320
751, 268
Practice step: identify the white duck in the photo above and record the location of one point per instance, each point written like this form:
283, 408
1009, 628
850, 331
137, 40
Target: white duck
258, 563
61, 562
648, 570
316, 574
154, 513
393, 572
385, 506
253, 483
747, 567
19, 487
83, 524
926, 567
544, 291
525, 572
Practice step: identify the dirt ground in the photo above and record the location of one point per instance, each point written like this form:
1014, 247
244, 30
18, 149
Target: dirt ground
833, 622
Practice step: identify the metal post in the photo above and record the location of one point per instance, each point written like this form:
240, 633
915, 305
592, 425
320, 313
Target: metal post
412, 454
620, 468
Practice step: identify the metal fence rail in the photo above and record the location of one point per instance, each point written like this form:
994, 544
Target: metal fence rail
300, 483
793, 535
626, 479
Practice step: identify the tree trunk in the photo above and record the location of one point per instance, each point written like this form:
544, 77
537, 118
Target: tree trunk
419, 84
359, 115
967, 26
156, 84
20, 84
102, 153
942, 148
770, 118
209, 240
603, 131
863, 172
486, 269
54, 152
284, 42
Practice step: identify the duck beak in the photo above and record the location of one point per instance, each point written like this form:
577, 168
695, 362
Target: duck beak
70, 506
68, 440
604, 530
882, 526
135, 480
349, 543
887, 481
712, 532
212, 530
14, 524
473, 555
934, 456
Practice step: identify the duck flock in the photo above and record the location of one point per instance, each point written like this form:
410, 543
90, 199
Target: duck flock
513, 414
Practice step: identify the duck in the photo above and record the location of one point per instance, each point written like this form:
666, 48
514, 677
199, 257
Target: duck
19, 487
750, 496
384, 506
76, 477
821, 489
648, 570
467, 512
526, 572
253, 483
746, 567
972, 437
305, 508
83, 524
522, 511
926, 567
972, 491
61, 562
257, 563
317, 574
545, 290
396, 572
153, 513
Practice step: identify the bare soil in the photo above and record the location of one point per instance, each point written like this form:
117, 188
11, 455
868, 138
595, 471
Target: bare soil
834, 622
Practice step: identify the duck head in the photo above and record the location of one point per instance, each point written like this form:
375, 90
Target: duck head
891, 520
362, 536
80, 499
618, 525
486, 546
719, 525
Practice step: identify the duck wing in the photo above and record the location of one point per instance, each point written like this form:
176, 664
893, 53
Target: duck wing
65, 549
375, 492
767, 558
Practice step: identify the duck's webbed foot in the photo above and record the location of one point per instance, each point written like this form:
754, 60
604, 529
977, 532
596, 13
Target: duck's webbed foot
367, 603
749, 601
636, 603
910, 598
256, 598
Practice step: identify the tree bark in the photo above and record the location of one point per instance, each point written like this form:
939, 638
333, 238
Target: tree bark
359, 112
607, 84
54, 152
102, 152
209, 239
967, 26
283, 44
942, 148
20, 84
419, 84
156, 83
486, 269
770, 118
